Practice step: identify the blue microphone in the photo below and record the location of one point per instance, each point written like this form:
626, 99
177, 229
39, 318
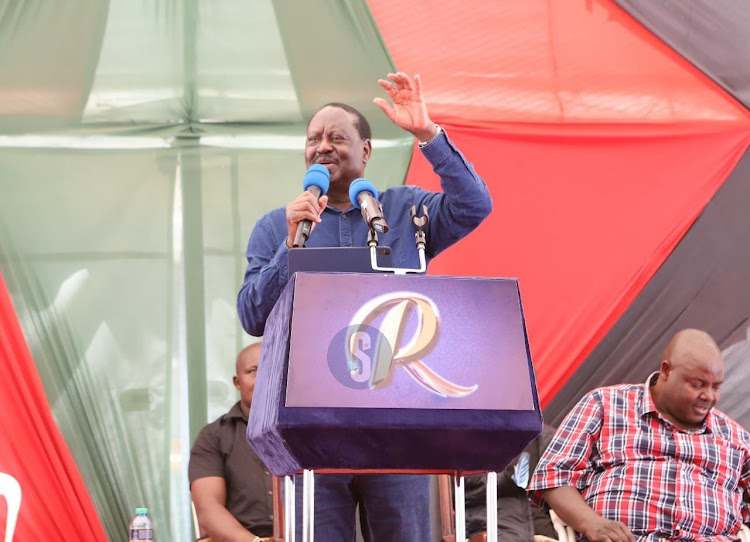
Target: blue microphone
316, 181
363, 195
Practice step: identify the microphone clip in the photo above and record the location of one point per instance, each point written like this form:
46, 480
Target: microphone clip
420, 237
419, 223
372, 238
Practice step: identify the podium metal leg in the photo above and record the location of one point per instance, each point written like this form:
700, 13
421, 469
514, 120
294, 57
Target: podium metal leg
491, 507
289, 512
460, 508
308, 506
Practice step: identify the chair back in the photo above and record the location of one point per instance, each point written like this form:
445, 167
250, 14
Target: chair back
11, 490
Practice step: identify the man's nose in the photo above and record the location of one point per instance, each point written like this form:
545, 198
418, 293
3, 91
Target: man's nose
710, 395
324, 146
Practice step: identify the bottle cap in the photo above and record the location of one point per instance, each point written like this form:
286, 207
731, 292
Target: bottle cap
141, 511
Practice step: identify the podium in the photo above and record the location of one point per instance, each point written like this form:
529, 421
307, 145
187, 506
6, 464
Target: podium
394, 373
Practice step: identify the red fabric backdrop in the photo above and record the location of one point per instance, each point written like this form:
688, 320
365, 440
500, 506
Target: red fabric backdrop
600, 146
55, 504
583, 221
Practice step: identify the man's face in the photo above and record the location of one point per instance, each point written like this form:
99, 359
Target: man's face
333, 141
247, 368
691, 387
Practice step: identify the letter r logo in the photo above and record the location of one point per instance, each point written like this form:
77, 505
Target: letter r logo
393, 310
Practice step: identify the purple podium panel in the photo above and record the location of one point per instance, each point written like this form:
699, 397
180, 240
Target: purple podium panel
394, 373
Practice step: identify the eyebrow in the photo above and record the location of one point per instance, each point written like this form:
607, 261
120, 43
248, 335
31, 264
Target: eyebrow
703, 381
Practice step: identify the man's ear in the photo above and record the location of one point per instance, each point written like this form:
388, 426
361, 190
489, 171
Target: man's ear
236, 382
366, 150
665, 368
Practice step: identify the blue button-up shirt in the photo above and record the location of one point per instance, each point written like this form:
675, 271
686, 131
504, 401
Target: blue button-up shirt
454, 213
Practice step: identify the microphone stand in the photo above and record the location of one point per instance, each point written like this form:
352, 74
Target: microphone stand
420, 240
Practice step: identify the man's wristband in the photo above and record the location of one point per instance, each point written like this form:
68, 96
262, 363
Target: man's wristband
438, 129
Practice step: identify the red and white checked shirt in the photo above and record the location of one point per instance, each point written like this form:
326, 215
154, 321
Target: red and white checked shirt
632, 465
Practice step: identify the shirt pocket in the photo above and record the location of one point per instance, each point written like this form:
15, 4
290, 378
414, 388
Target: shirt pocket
722, 463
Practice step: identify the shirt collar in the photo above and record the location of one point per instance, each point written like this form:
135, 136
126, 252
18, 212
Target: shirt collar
648, 406
336, 211
236, 412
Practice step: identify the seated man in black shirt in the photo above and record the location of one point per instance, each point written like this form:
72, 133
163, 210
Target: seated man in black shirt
518, 519
230, 486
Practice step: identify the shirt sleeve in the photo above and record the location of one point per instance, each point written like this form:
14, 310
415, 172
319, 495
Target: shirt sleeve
266, 275
464, 203
745, 479
569, 460
206, 458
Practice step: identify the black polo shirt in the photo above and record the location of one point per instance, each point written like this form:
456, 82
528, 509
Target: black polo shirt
221, 449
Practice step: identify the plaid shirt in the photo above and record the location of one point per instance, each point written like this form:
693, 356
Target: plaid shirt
632, 465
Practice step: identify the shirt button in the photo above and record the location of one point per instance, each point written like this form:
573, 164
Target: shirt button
270, 492
270, 517
344, 216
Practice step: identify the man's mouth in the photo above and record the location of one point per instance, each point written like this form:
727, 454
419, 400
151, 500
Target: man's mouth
702, 408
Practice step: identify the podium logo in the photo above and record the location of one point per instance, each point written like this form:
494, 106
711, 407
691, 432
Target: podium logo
397, 329
360, 357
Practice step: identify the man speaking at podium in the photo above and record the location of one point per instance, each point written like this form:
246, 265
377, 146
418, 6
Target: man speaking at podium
393, 507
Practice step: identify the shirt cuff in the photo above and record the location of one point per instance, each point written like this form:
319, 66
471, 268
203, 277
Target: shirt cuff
440, 149
438, 131
281, 262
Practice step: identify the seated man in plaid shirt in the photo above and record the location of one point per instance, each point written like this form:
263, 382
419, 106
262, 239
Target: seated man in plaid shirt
653, 461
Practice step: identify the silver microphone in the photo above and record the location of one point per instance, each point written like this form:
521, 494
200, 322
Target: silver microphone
363, 195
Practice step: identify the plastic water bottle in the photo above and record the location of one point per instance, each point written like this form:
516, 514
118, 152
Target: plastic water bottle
140, 526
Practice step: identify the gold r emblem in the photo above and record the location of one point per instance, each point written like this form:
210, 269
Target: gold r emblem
395, 308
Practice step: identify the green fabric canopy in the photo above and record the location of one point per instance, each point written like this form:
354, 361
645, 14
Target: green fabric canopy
139, 143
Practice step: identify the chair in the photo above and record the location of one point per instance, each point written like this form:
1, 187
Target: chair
11, 490
447, 516
196, 525
564, 532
